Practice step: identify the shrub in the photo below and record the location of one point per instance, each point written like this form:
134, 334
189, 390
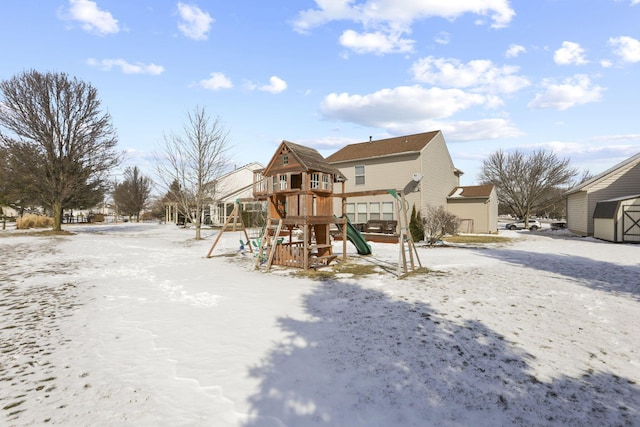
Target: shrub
33, 221
415, 225
439, 223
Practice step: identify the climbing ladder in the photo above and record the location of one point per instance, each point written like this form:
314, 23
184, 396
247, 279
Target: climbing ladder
407, 249
268, 242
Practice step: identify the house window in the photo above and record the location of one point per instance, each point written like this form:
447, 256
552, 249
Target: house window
360, 175
285, 159
275, 182
325, 182
361, 216
387, 211
283, 182
350, 209
374, 210
315, 180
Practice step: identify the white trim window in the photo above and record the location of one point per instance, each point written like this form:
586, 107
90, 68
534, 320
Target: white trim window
283, 182
359, 173
350, 210
374, 211
315, 180
361, 216
326, 185
387, 211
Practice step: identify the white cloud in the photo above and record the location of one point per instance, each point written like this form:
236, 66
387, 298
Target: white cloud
194, 23
401, 11
405, 104
442, 37
481, 75
478, 130
570, 53
216, 81
626, 48
576, 90
375, 42
276, 85
92, 18
514, 50
127, 68
385, 22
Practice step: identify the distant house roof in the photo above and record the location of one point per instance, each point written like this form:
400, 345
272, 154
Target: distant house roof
249, 166
472, 192
383, 147
585, 185
309, 158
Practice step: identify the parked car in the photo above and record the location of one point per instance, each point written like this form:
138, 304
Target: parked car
534, 225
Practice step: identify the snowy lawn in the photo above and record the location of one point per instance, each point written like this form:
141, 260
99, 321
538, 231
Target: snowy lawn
131, 324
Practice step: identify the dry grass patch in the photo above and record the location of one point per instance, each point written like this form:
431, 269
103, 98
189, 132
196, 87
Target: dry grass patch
476, 239
332, 271
28, 221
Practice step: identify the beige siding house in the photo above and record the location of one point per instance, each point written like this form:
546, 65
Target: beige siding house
392, 164
477, 208
420, 165
621, 180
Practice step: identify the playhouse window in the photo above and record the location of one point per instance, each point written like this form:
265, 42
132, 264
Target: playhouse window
360, 175
285, 159
315, 180
283, 182
325, 182
387, 210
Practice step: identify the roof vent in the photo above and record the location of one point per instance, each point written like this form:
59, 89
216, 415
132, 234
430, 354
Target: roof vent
370, 138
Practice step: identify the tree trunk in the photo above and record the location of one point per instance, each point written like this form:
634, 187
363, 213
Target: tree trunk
57, 216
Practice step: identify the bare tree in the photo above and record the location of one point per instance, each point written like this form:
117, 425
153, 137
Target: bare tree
188, 164
526, 182
63, 144
132, 195
438, 223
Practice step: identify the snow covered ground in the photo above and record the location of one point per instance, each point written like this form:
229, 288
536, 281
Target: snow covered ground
131, 324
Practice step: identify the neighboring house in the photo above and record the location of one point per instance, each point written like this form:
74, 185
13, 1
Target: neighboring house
224, 191
420, 165
8, 212
621, 180
477, 208
222, 196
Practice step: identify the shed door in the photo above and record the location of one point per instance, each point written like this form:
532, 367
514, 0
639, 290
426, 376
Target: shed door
630, 224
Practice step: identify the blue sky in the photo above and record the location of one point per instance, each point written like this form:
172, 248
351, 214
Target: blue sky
491, 74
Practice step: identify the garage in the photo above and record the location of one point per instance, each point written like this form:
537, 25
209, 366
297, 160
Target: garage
618, 220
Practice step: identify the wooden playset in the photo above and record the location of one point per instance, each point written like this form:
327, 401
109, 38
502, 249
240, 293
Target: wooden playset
299, 187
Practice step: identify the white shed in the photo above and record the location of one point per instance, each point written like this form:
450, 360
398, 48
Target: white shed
621, 180
618, 220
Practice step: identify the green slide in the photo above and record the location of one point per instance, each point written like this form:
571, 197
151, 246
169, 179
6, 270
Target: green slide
357, 239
